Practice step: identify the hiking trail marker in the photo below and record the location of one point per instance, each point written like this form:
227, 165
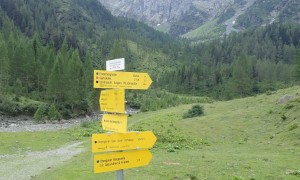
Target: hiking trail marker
115, 65
125, 80
112, 100
134, 144
115, 123
125, 141
121, 160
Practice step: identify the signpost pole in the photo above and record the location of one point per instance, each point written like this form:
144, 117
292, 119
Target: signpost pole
120, 174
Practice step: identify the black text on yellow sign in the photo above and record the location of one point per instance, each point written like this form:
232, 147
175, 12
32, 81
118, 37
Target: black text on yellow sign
121, 160
126, 80
124, 141
115, 122
112, 100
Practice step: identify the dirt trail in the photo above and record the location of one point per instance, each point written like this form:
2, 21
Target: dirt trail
27, 124
28, 165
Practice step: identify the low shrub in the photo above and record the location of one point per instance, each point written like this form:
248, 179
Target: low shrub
293, 127
41, 113
46, 112
196, 110
53, 113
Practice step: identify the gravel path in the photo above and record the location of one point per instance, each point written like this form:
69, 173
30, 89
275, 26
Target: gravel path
31, 164
25, 123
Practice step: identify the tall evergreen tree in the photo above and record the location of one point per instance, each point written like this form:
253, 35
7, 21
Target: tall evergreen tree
4, 66
56, 82
297, 68
76, 76
241, 76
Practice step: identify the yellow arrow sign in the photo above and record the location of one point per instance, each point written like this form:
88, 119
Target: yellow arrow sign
121, 160
126, 80
126, 141
115, 122
112, 100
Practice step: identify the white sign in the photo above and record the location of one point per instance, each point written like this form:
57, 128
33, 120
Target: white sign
116, 64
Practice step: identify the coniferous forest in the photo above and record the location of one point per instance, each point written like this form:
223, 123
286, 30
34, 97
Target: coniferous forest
49, 49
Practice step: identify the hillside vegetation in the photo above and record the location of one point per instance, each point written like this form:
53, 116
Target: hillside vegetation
249, 138
49, 50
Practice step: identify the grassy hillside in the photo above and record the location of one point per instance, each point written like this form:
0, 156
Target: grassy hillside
208, 31
251, 138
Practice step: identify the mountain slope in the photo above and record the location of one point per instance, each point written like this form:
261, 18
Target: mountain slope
186, 18
50, 48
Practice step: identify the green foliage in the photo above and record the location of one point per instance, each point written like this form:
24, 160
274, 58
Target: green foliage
297, 67
293, 172
86, 129
41, 113
196, 110
50, 57
152, 100
192, 176
238, 178
46, 112
15, 105
49, 50
283, 117
293, 127
53, 113
210, 30
238, 65
261, 13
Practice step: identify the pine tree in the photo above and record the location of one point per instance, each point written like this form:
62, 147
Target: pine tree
76, 76
56, 83
297, 68
4, 66
241, 76
116, 51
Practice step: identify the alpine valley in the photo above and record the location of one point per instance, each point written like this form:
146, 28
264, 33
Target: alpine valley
224, 102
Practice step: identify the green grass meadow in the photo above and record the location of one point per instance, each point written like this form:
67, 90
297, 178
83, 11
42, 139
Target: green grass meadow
250, 138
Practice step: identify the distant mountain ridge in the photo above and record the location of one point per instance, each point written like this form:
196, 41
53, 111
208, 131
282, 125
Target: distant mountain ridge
182, 17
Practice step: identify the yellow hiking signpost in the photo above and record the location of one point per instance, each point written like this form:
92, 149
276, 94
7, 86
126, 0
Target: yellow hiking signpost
125, 141
112, 100
121, 160
125, 80
115, 122
135, 144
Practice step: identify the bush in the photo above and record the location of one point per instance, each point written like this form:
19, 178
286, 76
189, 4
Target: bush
46, 112
53, 114
41, 113
196, 110
9, 107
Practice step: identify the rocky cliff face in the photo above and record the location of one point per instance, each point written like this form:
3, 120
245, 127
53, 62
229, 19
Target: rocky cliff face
152, 12
177, 16
181, 16
156, 12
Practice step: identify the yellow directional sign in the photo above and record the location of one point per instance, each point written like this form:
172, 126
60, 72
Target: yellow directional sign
115, 122
121, 160
112, 100
126, 141
126, 80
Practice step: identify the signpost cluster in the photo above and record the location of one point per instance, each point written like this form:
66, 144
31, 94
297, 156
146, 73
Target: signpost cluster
119, 149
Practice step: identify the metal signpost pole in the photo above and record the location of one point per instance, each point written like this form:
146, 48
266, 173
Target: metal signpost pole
120, 175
